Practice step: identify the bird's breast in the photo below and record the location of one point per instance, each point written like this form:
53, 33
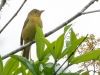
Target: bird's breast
29, 30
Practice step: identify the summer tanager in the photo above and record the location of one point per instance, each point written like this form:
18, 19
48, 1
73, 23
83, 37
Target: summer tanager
29, 29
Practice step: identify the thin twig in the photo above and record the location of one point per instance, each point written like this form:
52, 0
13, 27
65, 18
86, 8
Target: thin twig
94, 71
55, 29
13, 16
90, 12
69, 57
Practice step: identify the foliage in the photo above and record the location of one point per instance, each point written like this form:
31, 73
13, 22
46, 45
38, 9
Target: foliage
58, 49
90, 46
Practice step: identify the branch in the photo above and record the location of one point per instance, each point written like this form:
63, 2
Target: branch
55, 29
90, 12
18, 49
2, 4
13, 16
71, 19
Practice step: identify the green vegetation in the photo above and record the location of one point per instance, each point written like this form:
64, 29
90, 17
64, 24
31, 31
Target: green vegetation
58, 49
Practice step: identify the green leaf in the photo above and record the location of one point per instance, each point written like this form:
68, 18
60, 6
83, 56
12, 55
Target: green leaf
46, 52
25, 62
48, 69
67, 28
1, 66
23, 69
17, 71
71, 48
39, 31
50, 48
73, 37
85, 73
55, 48
39, 48
34, 65
45, 60
86, 57
39, 43
29, 73
10, 66
59, 46
68, 43
39, 68
49, 65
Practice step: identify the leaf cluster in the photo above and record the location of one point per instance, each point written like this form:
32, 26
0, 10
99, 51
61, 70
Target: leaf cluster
45, 49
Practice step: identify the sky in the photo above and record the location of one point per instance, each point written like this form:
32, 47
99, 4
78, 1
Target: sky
56, 12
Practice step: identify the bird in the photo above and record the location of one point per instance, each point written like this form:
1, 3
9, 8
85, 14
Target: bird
29, 29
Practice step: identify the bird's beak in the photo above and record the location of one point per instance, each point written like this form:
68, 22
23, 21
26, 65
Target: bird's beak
41, 11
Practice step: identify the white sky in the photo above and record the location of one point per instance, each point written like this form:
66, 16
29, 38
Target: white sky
56, 12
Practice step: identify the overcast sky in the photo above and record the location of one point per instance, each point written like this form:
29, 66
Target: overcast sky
56, 12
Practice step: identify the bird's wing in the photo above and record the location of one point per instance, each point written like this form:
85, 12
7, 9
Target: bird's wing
21, 39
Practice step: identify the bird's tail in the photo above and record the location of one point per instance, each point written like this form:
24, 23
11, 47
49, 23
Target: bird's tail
26, 51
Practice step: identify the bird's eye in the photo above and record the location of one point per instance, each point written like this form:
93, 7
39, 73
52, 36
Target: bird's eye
35, 11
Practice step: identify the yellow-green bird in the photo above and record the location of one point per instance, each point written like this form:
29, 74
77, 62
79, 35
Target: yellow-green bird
29, 29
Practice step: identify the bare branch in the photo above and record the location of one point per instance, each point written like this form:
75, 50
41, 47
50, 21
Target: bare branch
90, 12
55, 29
13, 16
2, 4
71, 19
18, 49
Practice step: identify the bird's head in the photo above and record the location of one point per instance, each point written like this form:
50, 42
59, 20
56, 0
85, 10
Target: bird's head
35, 13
